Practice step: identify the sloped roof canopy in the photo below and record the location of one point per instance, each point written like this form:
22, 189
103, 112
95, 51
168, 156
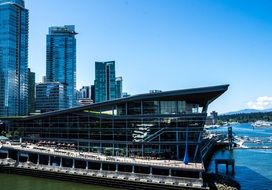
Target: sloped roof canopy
202, 96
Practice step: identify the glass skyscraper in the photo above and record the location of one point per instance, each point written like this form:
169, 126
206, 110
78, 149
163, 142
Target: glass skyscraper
61, 59
13, 58
50, 96
119, 87
31, 91
105, 88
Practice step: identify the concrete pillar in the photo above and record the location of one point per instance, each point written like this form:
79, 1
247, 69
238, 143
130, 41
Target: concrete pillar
60, 162
233, 169
126, 150
216, 168
177, 149
133, 169
227, 168
142, 150
27, 160
49, 160
87, 165
73, 164
101, 166
170, 173
18, 156
38, 159
150, 173
200, 174
116, 167
159, 144
7, 154
113, 152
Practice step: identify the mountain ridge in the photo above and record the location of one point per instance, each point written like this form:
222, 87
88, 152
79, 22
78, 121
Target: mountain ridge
245, 111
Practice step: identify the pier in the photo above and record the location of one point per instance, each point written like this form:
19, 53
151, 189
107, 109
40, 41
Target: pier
45, 161
226, 162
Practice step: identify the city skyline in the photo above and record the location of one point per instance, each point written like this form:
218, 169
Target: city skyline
174, 45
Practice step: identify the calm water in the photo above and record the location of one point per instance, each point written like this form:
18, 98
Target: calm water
16, 182
253, 167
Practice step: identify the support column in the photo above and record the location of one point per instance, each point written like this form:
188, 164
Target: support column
159, 144
49, 160
233, 169
142, 150
150, 173
177, 149
18, 156
73, 166
7, 154
200, 175
101, 166
227, 168
216, 168
133, 169
170, 173
87, 165
38, 159
116, 167
126, 150
60, 161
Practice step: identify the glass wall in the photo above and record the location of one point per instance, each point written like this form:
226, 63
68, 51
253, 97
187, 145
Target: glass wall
142, 128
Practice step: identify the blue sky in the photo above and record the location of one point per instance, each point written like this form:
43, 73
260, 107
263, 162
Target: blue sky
167, 44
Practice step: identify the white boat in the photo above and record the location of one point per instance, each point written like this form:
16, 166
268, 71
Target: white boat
260, 123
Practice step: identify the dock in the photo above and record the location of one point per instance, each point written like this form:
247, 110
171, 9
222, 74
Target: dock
227, 162
94, 167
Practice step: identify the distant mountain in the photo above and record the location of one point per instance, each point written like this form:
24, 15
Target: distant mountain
248, 111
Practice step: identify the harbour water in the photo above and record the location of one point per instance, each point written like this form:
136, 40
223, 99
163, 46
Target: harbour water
253, 167
16, 182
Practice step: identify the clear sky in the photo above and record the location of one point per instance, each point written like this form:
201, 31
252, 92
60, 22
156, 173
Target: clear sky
167, 44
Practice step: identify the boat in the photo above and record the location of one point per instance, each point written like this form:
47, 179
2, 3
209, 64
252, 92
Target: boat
260, 124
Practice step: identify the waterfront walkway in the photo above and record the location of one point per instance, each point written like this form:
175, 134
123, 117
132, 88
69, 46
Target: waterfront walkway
89, 156
136, 177
170, 167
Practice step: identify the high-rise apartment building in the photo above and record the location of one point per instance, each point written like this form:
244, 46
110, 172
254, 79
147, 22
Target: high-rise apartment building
119, 87
31, 91
61, 59
85, 92
13, 58
105, 88
93, 93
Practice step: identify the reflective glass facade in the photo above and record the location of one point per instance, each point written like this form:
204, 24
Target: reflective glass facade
13, 58
31, 91
145, 125
51, 96
119, 87
61, 59
105, 88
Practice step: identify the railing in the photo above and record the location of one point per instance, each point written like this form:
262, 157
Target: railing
109, 159
171, 180
154, 135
